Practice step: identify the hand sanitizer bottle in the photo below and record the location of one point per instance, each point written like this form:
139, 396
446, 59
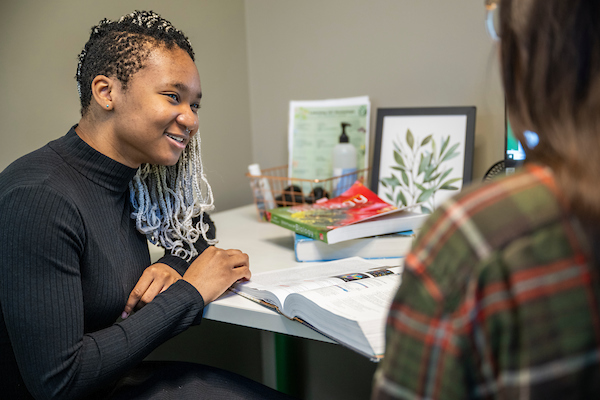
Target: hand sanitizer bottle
344, 162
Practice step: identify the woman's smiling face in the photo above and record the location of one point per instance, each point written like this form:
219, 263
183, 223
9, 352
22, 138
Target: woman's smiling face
157, 114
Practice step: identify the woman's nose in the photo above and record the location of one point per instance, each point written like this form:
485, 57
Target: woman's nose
189, 120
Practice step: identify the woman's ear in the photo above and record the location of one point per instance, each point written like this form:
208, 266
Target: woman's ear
102, 88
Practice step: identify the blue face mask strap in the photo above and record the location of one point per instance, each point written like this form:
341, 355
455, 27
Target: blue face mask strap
491, 8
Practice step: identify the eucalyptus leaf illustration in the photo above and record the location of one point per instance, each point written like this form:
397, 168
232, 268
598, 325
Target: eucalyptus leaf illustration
401, 199
424, 196
410, 138
399, 159
421, 170
405, 178
450, 154
391, 181
428, 175
447, 185
425, 164
445, 174
444, 144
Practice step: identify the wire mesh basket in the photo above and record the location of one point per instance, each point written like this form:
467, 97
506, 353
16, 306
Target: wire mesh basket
274, 188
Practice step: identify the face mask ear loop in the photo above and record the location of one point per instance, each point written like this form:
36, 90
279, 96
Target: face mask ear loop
491, 9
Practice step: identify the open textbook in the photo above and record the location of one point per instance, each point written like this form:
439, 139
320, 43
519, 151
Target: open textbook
346, 300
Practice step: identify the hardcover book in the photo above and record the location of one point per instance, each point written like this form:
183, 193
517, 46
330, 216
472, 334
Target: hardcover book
392, 245
346, 300
356, 213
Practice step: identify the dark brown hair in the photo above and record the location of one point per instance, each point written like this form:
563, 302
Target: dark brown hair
550, 55
119, 49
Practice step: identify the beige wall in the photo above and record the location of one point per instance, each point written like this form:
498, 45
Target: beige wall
254, 56
401, 53
38, 58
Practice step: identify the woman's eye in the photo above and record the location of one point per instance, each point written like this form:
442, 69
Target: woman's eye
195, 107
173, 96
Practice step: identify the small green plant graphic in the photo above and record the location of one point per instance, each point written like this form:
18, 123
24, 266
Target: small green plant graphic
419, 171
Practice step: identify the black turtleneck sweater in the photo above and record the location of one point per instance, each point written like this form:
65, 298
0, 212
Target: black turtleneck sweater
69, 257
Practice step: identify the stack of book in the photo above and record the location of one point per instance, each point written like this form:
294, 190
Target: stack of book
356, 223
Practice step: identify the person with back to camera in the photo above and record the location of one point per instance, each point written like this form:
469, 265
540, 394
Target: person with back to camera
500, 294
73, 227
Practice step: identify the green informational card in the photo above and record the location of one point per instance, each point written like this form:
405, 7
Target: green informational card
315, 128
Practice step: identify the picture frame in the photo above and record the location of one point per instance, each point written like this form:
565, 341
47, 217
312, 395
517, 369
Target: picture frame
422, 156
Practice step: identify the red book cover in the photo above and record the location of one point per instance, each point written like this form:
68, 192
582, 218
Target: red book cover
357, 204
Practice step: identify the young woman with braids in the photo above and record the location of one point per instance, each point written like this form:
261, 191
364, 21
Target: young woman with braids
74, 222
500, 295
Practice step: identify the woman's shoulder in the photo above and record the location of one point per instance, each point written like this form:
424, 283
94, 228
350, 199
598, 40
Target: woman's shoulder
32, 169
39, 176
525, 200
488, 216
528, 194
474, 229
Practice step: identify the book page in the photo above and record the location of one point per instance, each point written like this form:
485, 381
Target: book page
350, 310
277, 285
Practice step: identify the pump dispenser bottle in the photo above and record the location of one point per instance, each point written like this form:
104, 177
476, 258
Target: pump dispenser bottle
344, 162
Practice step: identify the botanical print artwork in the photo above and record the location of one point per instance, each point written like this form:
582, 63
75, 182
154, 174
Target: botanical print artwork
420, 171
422, 168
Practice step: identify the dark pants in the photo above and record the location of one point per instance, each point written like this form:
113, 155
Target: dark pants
158, 380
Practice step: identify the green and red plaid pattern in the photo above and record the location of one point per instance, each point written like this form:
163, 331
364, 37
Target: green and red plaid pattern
497, 301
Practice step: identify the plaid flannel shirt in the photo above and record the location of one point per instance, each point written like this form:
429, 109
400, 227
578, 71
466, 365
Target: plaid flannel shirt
497, 301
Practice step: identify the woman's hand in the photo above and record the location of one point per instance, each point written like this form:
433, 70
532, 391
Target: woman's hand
155, 279
215, 270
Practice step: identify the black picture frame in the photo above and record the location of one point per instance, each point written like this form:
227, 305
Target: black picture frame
453, 145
